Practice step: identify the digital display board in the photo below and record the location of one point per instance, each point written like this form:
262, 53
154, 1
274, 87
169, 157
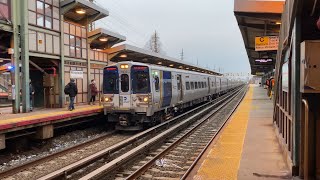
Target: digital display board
263, 61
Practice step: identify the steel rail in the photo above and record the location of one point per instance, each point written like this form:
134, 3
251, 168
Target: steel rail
121, 160
186, 174
149, 164
35, 162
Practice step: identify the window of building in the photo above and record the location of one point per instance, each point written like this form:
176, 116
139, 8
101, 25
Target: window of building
46, 13
74, 41
187, 85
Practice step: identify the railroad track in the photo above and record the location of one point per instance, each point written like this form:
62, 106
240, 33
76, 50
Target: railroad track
109, 154
172, 153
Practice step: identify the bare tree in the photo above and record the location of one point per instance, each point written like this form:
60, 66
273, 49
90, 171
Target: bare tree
154, 44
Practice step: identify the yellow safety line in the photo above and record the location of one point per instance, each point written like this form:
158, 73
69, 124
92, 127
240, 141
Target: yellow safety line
28, 118
223, 160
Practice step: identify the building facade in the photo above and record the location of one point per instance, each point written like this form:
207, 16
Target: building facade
55, 42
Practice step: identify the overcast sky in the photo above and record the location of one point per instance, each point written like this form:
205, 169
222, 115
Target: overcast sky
206, 29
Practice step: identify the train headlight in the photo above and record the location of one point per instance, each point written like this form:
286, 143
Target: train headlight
145, 99
106, 99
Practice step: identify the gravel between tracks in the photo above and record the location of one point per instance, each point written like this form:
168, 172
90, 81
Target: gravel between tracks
180, 158
64, 160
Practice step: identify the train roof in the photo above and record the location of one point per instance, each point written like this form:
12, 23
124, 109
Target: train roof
127, 52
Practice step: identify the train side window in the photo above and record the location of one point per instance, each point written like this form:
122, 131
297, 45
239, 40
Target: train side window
199, 85
205, 84
156, 83
187, 85
195, 85
202, 84
192, 85
178, 82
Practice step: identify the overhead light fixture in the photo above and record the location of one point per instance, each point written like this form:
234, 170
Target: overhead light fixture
278, 23
187, 68
171, 65
123, 56
159, 62
103, 39
181, 67
193, 69
80, 11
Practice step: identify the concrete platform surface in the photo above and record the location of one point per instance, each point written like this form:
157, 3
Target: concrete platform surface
247, 148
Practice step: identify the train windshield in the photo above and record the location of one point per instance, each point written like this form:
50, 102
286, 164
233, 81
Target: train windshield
140, 79
110, 80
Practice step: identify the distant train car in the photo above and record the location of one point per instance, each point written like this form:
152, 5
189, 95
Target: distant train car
138, 94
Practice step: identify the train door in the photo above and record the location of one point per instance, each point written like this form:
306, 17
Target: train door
166, 89
156, 88
179, 88
124, 93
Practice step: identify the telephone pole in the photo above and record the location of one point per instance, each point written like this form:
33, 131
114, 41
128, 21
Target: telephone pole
182, 55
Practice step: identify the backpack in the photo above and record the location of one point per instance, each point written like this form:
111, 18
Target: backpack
67, 89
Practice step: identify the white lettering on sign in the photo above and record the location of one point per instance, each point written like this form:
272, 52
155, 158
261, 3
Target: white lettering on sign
76, 74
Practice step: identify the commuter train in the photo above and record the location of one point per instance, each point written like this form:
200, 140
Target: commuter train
137, 94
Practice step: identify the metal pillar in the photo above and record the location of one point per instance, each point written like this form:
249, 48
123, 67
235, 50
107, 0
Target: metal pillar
295, 89
89, 64
16, 55
24, 37
61, 64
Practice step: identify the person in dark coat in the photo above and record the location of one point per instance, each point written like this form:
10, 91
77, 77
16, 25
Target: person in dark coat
71, 90
93, 91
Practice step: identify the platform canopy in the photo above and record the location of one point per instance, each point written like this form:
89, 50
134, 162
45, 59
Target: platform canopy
259, 22
104, 39
82, 11
127, 52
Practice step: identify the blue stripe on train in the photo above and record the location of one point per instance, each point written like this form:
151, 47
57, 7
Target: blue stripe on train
167, 88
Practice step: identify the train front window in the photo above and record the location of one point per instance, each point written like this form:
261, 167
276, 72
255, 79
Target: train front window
110, 79
140, 79
124, 83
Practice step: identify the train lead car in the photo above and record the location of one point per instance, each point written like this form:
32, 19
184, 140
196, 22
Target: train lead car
137, 94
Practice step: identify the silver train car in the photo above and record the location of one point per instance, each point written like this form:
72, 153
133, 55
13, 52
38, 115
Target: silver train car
137, 94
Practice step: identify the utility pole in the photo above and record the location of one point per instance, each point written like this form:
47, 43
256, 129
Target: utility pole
155, 43
182, 55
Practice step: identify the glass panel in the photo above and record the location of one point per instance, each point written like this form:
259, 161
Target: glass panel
55, 3
124, 83
40, 7
41, 42
56, 45
140, 79
48, 22
84, 32
56, 13
91, 54
78, 31
78, 42
72, 29
56, 25
66, 50
100, 56
84, 43
105, 56
32, 5
79, 83
48, 10
96, 55
49, 1
49, 43
110, 80
32, 18
72, 40
72, 51
66, 28
66, 39
32, 41
156, 83
84, 53
78, 52
40, 20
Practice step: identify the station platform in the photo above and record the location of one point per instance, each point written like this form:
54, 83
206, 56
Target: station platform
12, 122
247, 147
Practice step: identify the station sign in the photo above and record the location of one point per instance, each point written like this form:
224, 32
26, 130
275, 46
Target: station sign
266, 43
260, 73
76, 74
263, 61
285, 77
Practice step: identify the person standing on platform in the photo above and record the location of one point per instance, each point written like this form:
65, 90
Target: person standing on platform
71, 90
268, 87
31, 90
272, 83
93, 91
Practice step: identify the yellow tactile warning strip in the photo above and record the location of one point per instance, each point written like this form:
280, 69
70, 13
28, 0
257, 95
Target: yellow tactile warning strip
49, 114
223, 160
